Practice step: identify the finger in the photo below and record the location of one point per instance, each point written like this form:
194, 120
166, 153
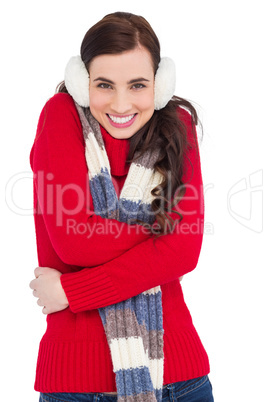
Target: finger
38, 271
33, 284
44, 311
40, 303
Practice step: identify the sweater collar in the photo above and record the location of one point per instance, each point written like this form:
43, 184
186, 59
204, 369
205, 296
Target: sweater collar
117, 151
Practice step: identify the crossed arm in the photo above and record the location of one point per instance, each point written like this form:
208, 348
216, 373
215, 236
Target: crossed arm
58, 163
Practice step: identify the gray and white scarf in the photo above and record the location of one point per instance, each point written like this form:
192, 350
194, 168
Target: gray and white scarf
134, 327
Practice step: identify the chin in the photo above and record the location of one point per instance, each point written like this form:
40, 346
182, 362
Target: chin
120, 135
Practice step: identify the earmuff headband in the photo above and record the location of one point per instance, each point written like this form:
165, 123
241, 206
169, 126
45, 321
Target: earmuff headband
77, 82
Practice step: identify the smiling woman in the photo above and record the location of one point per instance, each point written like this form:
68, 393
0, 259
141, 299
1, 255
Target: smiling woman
116, 154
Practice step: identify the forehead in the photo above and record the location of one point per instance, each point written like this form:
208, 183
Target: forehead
126, 65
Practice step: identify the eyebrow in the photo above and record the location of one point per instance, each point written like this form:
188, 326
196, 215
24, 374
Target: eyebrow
135, 80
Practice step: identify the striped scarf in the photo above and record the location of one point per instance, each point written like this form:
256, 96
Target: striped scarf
134, 327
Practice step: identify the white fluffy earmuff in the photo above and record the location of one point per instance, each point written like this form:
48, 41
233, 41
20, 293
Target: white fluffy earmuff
165, 82
77, 82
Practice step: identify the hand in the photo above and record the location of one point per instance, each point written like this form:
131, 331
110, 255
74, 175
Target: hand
47, 287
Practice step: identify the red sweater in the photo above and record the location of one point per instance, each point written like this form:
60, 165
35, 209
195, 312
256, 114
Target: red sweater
105, 261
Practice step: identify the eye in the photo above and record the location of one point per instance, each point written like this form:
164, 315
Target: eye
138, 86
104, 85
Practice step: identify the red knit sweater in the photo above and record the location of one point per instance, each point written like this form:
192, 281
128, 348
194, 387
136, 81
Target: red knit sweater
104, 261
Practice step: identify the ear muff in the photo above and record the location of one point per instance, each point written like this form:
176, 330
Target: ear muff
165, 83
77, 82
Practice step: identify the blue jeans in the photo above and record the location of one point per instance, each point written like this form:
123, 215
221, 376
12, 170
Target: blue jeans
196, 390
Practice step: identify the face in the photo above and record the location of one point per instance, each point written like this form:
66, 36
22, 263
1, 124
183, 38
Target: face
121, 91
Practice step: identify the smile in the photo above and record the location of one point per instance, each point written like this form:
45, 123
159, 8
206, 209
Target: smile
122, 122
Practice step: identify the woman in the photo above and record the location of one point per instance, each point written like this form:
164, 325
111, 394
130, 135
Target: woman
119, 219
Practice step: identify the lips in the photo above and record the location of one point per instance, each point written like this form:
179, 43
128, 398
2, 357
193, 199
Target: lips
122, 121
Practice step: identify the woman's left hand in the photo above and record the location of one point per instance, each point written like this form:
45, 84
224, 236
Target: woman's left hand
47, 287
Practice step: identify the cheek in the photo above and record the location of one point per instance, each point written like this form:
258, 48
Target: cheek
97, 100
146, 103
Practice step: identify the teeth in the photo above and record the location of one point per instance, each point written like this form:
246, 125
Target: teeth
121, 120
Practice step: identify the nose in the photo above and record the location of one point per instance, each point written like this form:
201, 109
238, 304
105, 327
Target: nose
121, 102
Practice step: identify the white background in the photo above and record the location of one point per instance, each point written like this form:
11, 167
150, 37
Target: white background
220, 50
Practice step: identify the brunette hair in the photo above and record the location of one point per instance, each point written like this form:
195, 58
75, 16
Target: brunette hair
119, 32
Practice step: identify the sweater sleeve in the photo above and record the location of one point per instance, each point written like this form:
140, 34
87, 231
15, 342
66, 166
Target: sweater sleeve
151, 263
58, 162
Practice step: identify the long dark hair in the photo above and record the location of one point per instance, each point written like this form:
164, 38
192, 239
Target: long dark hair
120, 32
